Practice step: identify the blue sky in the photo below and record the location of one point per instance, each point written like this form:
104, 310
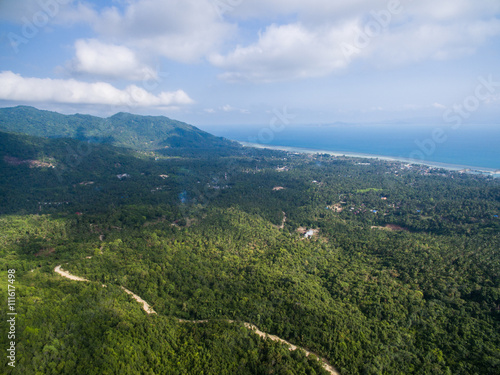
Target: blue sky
235, 62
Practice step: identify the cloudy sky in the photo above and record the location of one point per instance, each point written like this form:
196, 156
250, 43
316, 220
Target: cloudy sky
240, 61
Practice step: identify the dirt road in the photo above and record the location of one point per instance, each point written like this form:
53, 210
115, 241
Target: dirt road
148, 309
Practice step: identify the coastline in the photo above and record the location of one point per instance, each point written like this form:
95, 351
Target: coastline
450, 167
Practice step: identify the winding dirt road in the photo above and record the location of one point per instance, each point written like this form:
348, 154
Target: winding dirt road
291, 347
148, 309
68, 275
145, 305
283, 221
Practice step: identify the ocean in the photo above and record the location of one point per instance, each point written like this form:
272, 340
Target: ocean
475, 146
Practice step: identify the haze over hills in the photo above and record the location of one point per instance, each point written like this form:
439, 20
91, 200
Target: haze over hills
144, 133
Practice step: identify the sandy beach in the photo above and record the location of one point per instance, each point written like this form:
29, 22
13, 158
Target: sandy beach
451, 167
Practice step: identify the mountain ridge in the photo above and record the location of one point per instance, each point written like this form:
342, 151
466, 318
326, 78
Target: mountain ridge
144, 133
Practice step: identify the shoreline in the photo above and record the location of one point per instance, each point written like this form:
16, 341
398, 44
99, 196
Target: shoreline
451, 167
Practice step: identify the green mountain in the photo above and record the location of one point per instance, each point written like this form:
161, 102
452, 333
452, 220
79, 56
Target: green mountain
400, 275
144, 133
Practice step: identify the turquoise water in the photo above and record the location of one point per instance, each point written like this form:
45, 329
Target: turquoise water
470, 145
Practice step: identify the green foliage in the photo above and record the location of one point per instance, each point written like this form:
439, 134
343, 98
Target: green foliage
368, 190
66, 327
123, 129
401, 279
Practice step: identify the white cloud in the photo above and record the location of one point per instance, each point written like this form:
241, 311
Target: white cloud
229, 108
189, 31
452, 10
286, 52
108, 60
14, 87
311, 12
183, 31
431, 41
315, 11
438, 106
77, 13
330, 35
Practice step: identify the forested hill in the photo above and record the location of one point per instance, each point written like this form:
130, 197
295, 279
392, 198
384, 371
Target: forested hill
144, 133
378, 267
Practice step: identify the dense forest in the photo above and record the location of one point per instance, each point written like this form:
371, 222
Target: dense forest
121, 129
378, 267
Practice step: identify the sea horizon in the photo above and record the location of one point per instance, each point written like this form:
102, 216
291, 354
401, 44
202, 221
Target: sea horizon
470, 147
